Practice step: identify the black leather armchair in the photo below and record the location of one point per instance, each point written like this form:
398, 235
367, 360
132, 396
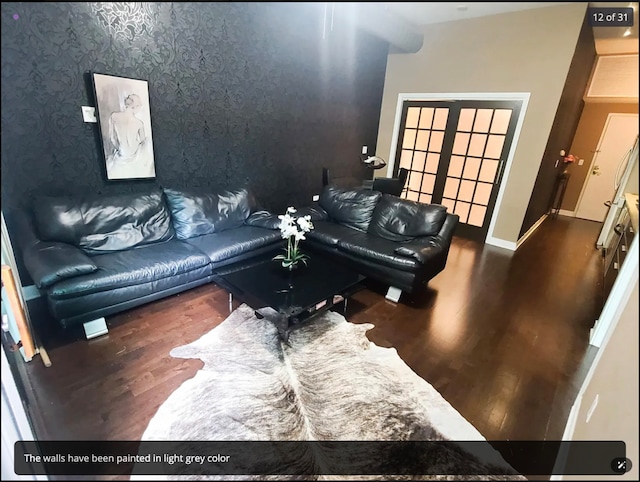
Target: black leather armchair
396, 241
391, 185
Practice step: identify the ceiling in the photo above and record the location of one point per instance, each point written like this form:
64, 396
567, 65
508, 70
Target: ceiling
609, 40
424, 13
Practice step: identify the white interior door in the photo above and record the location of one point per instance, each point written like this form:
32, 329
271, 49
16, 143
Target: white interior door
617, 139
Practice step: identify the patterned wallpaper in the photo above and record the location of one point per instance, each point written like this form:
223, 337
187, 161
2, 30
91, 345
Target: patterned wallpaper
240, 93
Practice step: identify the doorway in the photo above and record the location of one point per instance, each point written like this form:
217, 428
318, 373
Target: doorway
615, 144
456, 152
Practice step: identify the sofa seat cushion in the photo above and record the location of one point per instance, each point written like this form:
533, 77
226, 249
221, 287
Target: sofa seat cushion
378, 250
133, 267
329, 233
235, 242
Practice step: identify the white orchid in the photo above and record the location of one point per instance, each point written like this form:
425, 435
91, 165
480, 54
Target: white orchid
293, 230
305, 223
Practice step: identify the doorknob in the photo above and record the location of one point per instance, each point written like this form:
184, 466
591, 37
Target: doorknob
596, 171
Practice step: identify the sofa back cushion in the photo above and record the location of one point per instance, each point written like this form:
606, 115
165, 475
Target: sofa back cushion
349, 207
197, 214
104, 224
403, 220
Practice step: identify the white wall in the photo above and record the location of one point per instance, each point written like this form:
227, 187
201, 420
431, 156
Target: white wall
526, 51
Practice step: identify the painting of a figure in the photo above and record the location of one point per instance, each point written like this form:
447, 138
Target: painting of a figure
125, 126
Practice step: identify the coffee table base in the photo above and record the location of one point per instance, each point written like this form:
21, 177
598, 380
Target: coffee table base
285, 324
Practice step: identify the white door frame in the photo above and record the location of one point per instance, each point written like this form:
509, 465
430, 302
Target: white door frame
595, 158
515, 96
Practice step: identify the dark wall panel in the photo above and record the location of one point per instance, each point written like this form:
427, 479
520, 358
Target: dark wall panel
564, 127
240, 93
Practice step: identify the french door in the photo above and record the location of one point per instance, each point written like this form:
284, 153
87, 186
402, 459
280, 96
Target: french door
455, 152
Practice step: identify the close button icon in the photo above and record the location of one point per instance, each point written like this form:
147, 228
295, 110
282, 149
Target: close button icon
621, 465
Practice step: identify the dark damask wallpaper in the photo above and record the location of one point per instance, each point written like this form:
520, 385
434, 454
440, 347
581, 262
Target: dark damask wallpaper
240, 93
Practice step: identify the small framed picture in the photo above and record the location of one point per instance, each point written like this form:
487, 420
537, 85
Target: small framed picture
124, 119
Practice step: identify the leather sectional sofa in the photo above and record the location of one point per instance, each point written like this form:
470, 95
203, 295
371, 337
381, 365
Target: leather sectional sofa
94, 257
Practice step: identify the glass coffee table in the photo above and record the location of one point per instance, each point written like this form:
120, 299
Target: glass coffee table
289, 298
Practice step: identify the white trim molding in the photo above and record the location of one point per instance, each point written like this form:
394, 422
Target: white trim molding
501, 243
495, 96
564, 212
531, 230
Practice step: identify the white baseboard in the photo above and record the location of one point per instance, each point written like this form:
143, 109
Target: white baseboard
531, 230
510, 245
564, 212
30, 292
501, 243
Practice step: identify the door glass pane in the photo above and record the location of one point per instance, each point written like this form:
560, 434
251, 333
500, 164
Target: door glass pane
449, 203
476, 215
483, 120
471, 168
451, 188
488, 170
436, 141
412, 196
405, 158
494, 147
466, 190
426, 117
425, 198
418, 161
462, 210
465, 123
501, 118
412, 116
409, 139
460, 143
455, 166
422, 141
440, 119
483, 191
433, 160
476, 147
415, 180
428, 181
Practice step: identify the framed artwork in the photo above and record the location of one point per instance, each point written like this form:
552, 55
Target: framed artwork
124, 119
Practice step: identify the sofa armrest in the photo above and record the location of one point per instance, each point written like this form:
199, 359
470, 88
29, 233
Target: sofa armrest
50, 262
428, 247
263, 219
422, 250
448, 228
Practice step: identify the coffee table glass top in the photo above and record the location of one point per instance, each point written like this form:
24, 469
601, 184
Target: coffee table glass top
261, 282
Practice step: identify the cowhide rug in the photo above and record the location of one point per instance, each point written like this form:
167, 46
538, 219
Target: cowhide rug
327, 383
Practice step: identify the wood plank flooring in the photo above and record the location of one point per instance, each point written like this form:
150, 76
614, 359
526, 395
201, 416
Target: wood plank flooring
503, 336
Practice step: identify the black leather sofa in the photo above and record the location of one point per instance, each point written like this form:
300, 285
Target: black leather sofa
399, 242
94, 257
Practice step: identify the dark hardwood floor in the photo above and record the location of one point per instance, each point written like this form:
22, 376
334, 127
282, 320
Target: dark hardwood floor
503, 336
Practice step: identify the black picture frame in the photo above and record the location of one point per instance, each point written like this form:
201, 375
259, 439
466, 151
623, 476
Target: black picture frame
124, 119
